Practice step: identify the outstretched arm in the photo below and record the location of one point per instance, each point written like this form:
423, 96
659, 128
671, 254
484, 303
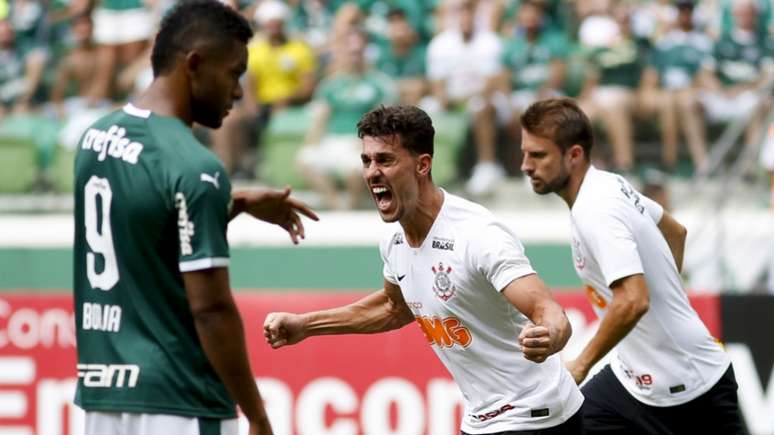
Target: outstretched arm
551, 330
382, 311
275, 207
630, 302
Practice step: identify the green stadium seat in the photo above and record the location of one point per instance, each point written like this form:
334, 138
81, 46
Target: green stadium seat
19, 156
27, 146
18, 165
62, 170
283, 138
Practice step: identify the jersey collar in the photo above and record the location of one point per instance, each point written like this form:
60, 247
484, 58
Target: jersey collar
133, 110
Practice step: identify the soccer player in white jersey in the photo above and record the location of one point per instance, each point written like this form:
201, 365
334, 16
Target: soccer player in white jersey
667, 374
463, 277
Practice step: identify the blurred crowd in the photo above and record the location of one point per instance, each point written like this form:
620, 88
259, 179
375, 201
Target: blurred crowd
664, 72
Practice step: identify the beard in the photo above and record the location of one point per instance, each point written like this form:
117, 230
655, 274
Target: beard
554, 185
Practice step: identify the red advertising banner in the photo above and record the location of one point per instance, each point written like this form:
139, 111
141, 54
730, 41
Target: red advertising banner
345, 385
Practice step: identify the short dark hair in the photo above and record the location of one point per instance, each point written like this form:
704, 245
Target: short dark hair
561, 121
410, 123
193, 20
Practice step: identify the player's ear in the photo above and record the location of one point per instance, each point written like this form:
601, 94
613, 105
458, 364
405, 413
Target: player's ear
192, 61
424, 164
576, 153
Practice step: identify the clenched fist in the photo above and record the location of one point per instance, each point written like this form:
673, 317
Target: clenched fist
282, 329
536, 343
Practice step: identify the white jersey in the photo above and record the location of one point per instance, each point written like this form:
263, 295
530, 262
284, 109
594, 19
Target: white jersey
452, 284
669, 358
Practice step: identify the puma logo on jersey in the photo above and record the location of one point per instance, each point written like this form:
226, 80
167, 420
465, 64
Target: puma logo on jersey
207, 178
107, 376
112, 143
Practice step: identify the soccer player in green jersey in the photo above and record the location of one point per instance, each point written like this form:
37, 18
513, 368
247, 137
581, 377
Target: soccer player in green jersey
161, 346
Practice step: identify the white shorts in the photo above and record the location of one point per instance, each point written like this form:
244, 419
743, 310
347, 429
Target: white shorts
767, 152
723, 108
125, 423
335, 154
122, 27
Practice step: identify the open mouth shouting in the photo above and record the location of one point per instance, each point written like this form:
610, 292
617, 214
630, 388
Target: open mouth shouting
382, 196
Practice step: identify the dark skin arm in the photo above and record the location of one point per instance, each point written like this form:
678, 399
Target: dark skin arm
275, 207
381, 311
221, 333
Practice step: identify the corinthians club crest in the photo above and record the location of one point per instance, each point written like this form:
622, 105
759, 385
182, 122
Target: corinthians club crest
442, 285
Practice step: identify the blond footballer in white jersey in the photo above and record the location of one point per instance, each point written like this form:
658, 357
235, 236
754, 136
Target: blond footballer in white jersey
463, 277
667, 374
452, 285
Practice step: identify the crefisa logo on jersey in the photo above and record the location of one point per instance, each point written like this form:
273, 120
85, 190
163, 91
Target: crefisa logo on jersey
442, 285
184, 225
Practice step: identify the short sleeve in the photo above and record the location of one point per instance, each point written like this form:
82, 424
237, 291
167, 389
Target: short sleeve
202, 199
384, 249
490, 63
306, 60
499, 255
606, 233
437, 63
654, 209
253, 60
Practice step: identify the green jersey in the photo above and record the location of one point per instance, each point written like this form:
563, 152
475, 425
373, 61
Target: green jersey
679, 56
350, 96
410, 64
529, 62
150, 203
739, 58
620, 64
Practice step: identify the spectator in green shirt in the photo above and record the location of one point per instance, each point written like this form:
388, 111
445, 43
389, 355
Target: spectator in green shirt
19, 75
332, 150
672, 74
742, 64
402, 57
533, 65
613, 93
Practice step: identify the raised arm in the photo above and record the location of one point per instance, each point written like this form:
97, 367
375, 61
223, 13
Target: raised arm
222, 336
381, 311
630, 302
551, 330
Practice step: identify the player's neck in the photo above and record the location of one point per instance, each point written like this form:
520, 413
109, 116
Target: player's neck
570, 192
162, 98
418, 224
